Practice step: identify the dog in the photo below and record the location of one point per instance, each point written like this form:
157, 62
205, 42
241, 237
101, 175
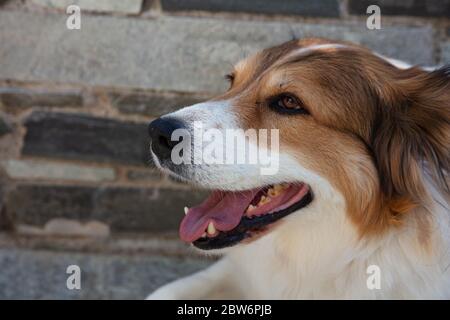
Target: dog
359, 206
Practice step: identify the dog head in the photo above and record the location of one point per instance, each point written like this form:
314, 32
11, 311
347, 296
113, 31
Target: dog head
352, 131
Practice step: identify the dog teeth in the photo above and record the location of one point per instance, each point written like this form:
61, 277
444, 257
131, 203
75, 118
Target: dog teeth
186, 209
211, 229
250, 208
273, 192
277, 189
263, 200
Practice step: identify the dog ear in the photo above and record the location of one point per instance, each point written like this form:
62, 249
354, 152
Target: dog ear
412, 134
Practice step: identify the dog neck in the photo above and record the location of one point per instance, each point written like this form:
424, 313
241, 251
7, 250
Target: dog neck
317, 253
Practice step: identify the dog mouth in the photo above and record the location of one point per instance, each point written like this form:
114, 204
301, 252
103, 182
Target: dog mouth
226, 218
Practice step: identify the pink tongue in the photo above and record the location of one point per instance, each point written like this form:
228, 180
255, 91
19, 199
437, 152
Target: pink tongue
224, 208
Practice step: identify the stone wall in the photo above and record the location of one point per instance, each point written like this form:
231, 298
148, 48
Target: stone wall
77, 185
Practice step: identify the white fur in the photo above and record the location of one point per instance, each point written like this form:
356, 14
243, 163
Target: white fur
311, 49
219, 115
316, 253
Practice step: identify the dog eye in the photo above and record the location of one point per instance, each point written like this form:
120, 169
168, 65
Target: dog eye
287, 103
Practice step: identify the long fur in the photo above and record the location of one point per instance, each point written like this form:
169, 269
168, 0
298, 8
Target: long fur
376, 154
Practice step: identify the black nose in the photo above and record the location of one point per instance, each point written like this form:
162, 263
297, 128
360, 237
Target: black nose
160, 131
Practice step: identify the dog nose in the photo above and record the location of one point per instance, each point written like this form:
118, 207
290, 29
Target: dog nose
160, 131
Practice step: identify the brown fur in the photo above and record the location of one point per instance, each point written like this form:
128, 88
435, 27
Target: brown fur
371, 126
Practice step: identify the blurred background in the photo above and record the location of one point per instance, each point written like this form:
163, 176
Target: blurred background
77, 186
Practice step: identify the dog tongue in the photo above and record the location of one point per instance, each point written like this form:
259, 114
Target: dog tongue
223, 208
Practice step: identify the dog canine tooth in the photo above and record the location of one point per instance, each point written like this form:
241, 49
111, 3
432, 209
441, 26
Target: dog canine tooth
186, 209
211, 229
250, 208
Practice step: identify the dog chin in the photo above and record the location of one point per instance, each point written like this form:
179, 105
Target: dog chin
240, 208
